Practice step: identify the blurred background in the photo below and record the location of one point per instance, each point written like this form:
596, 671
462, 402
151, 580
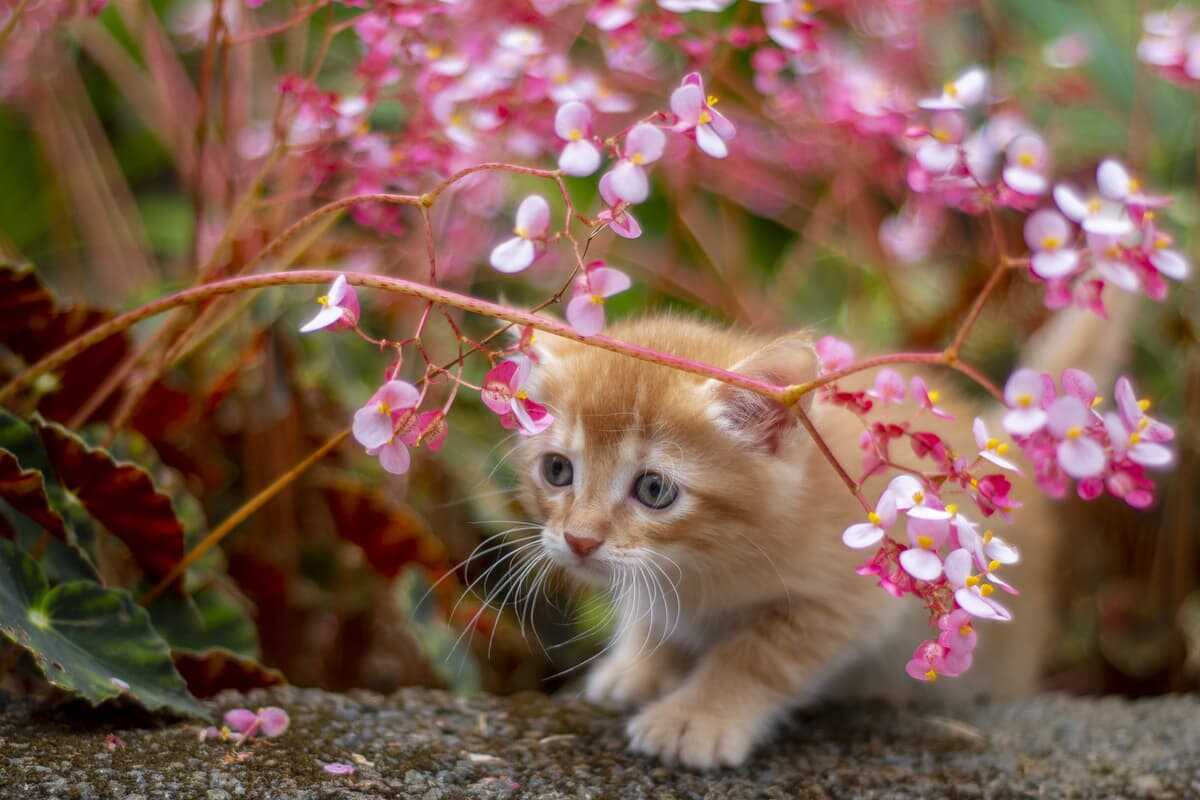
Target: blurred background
147, 146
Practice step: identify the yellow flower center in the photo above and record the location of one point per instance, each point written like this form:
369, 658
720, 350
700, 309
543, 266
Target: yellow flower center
966, 629
598, 299
1149, 215
1025, 160
383, 408
522, 394
638, 158
1094, 205
993, 565
1074, 432
924, 542
873, 518
931, 676
991, 443
941, 134
807, 7
705, 118
950, 89
1144, 403
1162, 241
974, 483
934, 396
918, 497
986, 589
323, 300
1135, 185
560, 78
952, 508
1002, 448
575, 135
433, 52
456, 120
1025, 400
1051, 243
972, 580
988, 536
521, 231
1096, 401
787, 23
1134, 438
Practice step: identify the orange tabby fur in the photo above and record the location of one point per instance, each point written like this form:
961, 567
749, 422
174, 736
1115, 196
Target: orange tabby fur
769, 612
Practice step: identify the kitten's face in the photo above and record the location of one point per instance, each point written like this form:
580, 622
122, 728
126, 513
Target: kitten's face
640, 468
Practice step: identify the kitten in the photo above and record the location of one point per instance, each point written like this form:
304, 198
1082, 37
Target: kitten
715, 521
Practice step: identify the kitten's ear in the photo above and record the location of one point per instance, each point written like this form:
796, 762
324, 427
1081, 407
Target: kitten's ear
750, 417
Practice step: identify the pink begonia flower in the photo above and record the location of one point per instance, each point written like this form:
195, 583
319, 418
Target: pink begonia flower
994, 495
430, 430
1156, 250
921, 561
503, 395
339, 308
833, 354
1068, 51
889, 387
698, 118
339, 768
1048, 233
789, 23
608, 15
621, 222
1028, 160
866, 534
644, 145
957, 632
1133, 414
1106, 217
927, 398
991, 448
376, 424
585, 312
971, 593
573, 122
517, 253
938, 150
1128, 443
915, 501
269, 721
1023, 394
1080, 384
966, 90
1079, 455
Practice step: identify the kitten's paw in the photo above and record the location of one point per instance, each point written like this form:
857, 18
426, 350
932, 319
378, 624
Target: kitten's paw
621, 682
687, 730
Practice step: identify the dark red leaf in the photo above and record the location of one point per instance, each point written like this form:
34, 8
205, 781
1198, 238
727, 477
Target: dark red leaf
25, 491
218, 670
121, 497
390, 537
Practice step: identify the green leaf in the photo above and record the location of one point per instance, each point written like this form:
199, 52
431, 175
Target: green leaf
213, 618
88, 640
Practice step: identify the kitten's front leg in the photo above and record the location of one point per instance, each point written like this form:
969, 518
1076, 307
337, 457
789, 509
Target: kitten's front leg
639, 668
738, 690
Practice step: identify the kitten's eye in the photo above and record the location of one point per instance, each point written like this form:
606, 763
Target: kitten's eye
654, 490
557, 470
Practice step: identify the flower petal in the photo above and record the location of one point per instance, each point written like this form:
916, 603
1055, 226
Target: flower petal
606, 281
710, 142
1082, 457
513, 255
571, 117
585, 315
647, 141
861, 535
579, 158
394, 457
533, 216
1055, 264
687, 102
327, 316
629, 182
1113, 179
372, 427
921, 564
1170, 263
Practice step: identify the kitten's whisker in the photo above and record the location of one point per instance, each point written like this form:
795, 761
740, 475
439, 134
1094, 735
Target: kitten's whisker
476, 553
477, 496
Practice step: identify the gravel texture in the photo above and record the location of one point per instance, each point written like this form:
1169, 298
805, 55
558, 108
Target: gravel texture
435, 746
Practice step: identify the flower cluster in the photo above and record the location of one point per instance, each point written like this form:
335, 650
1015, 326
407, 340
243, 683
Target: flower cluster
1062, 430
1171, 44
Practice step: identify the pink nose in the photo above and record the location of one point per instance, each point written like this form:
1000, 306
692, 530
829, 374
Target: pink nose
581, 545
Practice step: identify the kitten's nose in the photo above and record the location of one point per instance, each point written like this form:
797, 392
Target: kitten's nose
581, 546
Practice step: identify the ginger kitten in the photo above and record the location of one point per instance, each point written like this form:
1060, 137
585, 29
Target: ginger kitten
717, 524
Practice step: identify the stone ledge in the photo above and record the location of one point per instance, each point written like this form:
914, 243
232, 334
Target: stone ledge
432, 745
